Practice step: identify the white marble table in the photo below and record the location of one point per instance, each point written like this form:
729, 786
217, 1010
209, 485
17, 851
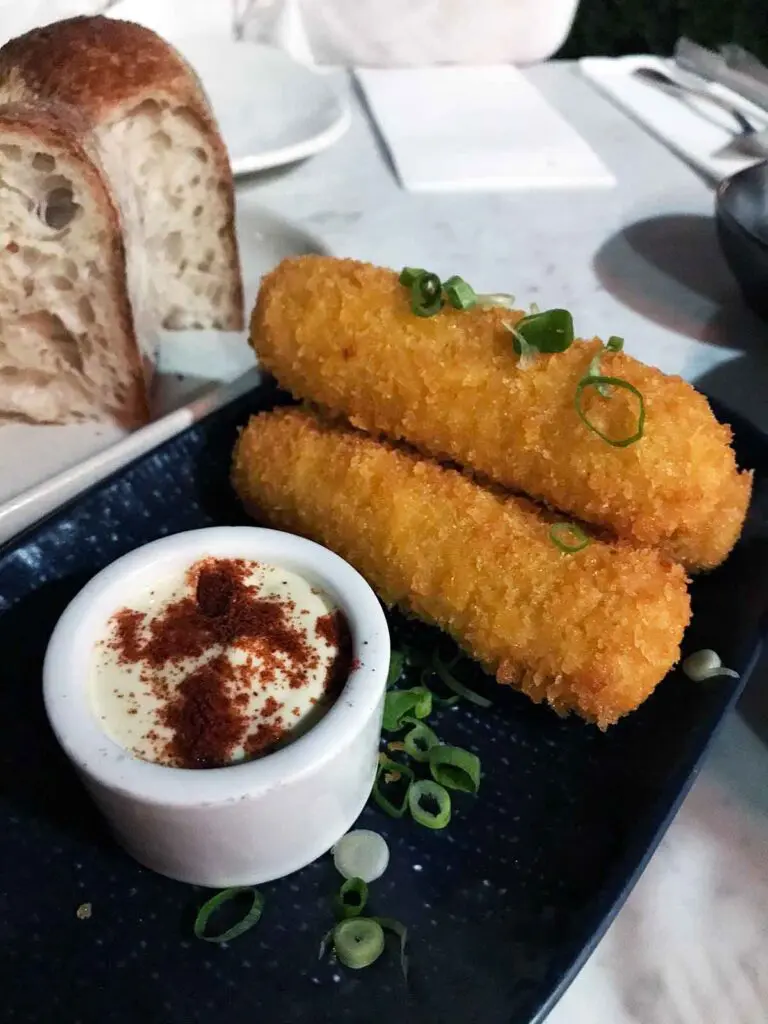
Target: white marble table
640, 261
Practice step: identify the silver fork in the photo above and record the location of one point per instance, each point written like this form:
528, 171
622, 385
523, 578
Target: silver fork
670, 85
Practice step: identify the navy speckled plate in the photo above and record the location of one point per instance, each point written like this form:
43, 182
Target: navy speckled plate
503, 906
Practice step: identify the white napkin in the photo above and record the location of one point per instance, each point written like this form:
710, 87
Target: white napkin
476, 128
694, 129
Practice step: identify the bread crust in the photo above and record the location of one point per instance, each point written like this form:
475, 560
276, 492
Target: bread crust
61, 132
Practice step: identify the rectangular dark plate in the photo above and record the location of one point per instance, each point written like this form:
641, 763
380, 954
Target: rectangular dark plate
503, 906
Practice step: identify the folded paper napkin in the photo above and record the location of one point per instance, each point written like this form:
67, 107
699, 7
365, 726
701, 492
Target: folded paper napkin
694, 129
476, 128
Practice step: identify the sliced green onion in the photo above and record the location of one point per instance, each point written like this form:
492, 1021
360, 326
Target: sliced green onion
548, 331
358, 942
324, 943
399, 703
593, 370
396, 662
535, 308
428, 680
250, 918
569, 537
459, 293
361, 854
614, 343
524, 349
490, 299
426, 295
455, 768
431, 792
617, 382
404, 774
410, 275
706, 664
456, 687
389, 924
351, 898
419, 741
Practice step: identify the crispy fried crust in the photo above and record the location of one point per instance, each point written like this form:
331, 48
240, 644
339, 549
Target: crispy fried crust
341, 334
592, 632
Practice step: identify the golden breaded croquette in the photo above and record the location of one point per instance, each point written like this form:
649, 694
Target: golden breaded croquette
342, 335
591, 632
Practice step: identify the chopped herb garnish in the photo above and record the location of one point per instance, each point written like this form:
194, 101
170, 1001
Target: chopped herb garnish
455, 686
396, 662
392, 795
617, 382
429, 803
358, 942
409, 275
490, 299
351, 898
389, 924
548, 331
568, 537
614, 343
418, 742
455, 768
400, 703
459, 293
249, 919
426, 290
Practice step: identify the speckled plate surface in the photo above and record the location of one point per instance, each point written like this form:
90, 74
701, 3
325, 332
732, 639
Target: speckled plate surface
502, 906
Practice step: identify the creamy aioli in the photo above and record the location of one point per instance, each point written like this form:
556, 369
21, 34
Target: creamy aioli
265, 672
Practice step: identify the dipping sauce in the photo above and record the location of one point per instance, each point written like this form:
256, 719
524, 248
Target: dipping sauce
220, 664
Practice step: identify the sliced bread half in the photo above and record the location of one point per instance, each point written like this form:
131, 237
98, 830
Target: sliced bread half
161, 149
68, 348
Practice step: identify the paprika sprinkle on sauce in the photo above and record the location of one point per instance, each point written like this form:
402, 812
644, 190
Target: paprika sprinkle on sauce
219, 664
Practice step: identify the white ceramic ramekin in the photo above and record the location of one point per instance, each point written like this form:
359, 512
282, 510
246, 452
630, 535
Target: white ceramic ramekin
250, 822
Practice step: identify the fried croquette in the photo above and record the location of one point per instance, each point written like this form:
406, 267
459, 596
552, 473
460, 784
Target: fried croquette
591, 632
342, 335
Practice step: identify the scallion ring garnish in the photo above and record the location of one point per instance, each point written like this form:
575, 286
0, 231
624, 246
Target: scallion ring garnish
535, 308
568, 537
351, 898
409, 275
418, 742
389, 924
429, 803
457, 687
396, 662
617, 382
593, 370
209, 908
399, 703
550, 330
361, 854
455, 768
524, 349
460, 294
615, 343
392, 778
426, 294
490, 299
358, 942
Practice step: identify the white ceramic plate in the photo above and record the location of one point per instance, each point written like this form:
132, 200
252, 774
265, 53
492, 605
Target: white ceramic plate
271, 110
198, 371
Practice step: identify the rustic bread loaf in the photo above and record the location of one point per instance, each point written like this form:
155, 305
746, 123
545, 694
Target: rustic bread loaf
158, 139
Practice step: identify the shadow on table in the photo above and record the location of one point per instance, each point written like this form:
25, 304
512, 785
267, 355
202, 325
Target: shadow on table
665, 267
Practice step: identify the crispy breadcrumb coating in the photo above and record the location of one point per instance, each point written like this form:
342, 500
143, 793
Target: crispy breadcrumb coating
341, 334
591, 632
